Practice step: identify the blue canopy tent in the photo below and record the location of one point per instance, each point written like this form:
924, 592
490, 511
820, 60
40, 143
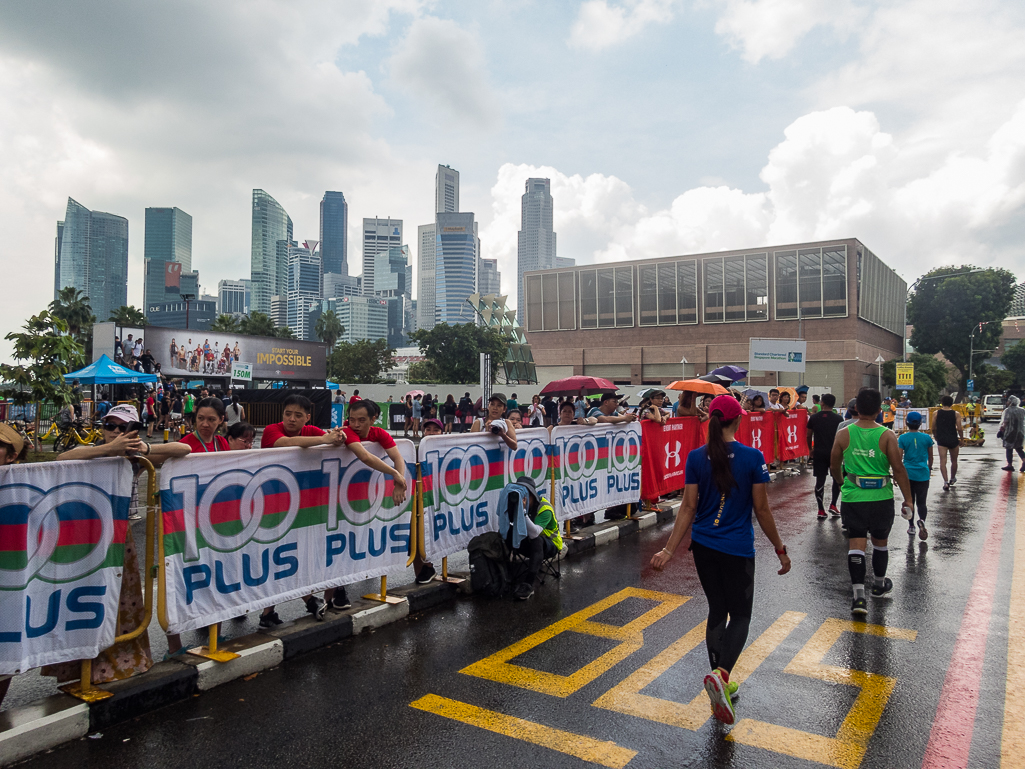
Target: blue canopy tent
106, 371
333, 385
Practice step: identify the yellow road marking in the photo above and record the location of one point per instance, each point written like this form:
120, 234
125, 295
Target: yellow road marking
498, 668
627, 697
1012, 746
605, 753
847, 749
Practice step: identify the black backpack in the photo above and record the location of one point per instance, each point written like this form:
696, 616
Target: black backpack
489, 565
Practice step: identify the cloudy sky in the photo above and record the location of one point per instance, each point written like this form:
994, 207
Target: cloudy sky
667, 126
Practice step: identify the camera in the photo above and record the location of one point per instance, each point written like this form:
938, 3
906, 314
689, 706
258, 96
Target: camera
498, 427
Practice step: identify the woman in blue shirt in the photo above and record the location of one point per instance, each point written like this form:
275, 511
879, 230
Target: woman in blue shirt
725, 481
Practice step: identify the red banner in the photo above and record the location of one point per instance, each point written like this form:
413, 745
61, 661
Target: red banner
664, 453
758, 430
792, 434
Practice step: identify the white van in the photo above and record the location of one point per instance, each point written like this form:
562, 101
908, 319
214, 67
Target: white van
992, 407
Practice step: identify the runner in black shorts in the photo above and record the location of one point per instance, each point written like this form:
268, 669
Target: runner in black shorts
822, 426
868, 453
947, 432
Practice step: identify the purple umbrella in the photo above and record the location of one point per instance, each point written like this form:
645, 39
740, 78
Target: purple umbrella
735, 373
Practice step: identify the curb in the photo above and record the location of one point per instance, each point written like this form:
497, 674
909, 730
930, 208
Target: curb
60, 718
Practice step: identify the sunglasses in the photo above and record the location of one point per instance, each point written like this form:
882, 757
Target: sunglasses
121, 427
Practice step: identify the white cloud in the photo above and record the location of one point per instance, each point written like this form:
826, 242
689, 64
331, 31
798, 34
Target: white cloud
444, 64
771, 28
600, 24
836, 174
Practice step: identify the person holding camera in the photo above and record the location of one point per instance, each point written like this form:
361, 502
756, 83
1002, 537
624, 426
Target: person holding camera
494, 421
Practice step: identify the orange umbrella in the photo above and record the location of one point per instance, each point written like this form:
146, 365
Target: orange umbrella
699, 386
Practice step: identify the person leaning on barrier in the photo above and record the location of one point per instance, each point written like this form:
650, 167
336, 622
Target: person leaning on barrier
606, 411
567, 418
542, 541
432, 427
13, 449
494, 421
121, 438
650, 408
515, 418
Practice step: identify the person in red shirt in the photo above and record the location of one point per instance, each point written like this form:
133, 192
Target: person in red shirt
361, 430
294, 430
151, 412
209, 418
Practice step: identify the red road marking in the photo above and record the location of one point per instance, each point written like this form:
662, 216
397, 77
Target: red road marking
950, 740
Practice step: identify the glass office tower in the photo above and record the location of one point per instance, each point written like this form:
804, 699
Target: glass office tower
272, 234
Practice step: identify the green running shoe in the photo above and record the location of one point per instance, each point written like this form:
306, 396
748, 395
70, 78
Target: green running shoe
731, 689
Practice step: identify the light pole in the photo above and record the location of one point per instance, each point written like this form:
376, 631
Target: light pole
683, 363
879, 366
904, 328
971, 345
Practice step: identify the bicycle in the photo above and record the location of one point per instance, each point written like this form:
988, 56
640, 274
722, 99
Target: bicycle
74, 433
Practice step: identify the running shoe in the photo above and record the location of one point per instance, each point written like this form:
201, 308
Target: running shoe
1008, 468
731, 689
523, 591
859, 606
822, 514
923, 533
834, 511
911, 528
946, 487
317, 607
426, 574
270, 620
878, 591
718, 694
953, 480
340, 600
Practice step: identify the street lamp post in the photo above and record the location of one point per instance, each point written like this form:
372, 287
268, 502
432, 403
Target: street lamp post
879, 366
904, 328
971, 345
683, 363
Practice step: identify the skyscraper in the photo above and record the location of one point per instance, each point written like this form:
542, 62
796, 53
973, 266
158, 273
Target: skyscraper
378, 235
535, 242
334, 232
305, 287
446, 190
489, 279
426, 306
393, 278
168, 238
233, 297
92, 256
272, 227
455, 259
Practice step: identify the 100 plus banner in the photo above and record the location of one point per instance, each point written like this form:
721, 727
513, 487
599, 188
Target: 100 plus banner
62, 549
463, 476
595, 467
244, 530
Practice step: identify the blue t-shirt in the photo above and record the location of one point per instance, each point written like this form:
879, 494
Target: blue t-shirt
915, 446
579, 409
725, 524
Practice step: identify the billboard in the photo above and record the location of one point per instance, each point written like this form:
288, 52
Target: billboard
172, 276
777, 354
193, 353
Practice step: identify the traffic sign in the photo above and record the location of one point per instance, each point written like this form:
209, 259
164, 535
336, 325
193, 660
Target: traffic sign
971, 385
905, 376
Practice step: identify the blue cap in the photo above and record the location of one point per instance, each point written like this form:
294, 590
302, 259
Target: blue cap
913, 419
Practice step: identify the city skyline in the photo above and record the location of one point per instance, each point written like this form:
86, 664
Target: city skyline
786, 123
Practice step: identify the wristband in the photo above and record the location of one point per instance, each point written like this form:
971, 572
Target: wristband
783, 551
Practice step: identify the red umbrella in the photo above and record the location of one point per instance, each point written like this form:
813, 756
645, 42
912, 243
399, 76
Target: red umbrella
579, 385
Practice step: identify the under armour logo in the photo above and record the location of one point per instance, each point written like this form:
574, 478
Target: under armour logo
791, 434
673, 454
756, 439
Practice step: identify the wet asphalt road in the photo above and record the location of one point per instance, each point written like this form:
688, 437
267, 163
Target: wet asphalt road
349, 704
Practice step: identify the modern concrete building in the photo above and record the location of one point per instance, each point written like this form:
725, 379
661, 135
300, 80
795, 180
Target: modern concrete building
364, 317
446, 190
393, 278
489, 279
305, 287
455, 258
272, 234
233, 297
652, 321
198, 315
341, 285
92, 255
334, 233
168, 238
279, 310
378, 235
426, 305
535, 242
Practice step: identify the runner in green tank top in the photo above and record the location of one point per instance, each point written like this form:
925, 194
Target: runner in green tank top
864, 456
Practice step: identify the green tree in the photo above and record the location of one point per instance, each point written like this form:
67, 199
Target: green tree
359, 362
227, 324
455, 351
990, 379
45, 352
329, 328
1014, 360
257, 324
129, 315
284, 332
930, 378
944, 313
422, 372
72, 307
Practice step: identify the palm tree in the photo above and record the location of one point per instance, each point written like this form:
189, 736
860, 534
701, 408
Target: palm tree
128, 315
329, 328
257, 324
284, 333
72, 306
229, 324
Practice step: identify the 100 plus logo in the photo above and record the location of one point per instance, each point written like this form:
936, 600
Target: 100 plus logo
529, 459
88, 513
355, 494
580, 455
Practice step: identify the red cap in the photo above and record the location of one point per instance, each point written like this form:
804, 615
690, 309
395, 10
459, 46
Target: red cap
728, 405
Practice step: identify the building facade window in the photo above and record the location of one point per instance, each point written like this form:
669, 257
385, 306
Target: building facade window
606, 298
551, 302
667, 293
811, 283
736, 288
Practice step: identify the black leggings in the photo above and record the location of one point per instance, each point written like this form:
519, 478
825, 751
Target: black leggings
920, 490
729, 585
1010, 454
820, 490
